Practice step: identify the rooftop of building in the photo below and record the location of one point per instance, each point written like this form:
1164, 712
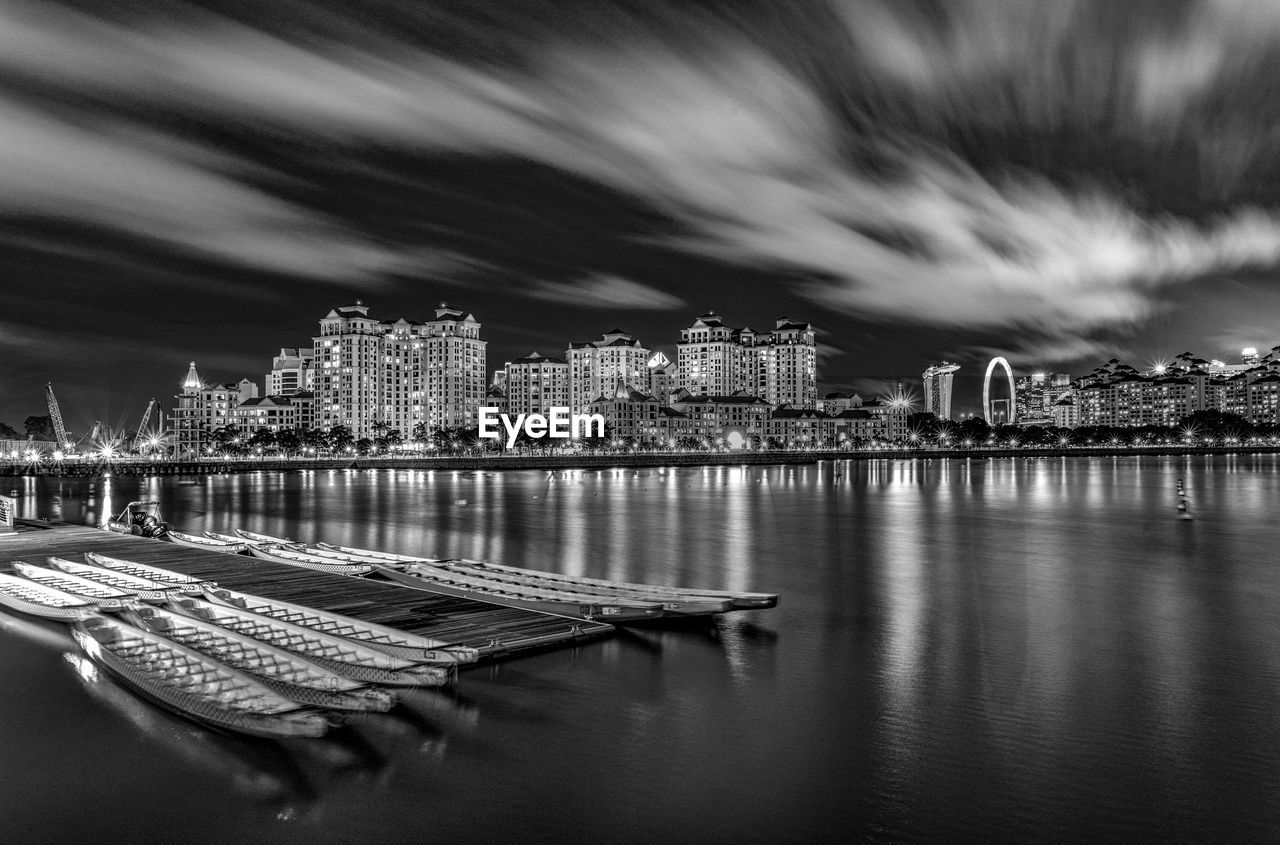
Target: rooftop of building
296, 352
357, 311
445, 314
609, 339
266, 401
786, 412
538, 358
624, 393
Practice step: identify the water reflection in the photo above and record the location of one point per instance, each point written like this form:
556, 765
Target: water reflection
52, 635
256, 771
1037, 642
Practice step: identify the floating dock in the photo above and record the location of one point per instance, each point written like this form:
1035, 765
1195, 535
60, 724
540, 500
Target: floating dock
496, 631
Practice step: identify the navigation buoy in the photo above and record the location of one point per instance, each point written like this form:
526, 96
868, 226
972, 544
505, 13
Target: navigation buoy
1183, 512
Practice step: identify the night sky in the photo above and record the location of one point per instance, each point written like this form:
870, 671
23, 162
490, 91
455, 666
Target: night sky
1058, 182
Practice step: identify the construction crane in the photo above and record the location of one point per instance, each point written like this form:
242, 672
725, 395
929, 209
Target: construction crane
142, 426
97, 427
55, 414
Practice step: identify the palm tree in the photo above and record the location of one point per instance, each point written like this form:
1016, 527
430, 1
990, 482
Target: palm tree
340, 438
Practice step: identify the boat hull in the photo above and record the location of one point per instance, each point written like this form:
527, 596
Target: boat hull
283, 672
114, 580
691, 601
676, 601
590, 611
370, 554
191, 541
390, 641
673, 604
318, 564
35, 599
343, 657
166, 578
89, 591
150, 683
255, 537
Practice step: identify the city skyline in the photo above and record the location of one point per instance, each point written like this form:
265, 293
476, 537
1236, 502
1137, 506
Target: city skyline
1057, 186
916, 391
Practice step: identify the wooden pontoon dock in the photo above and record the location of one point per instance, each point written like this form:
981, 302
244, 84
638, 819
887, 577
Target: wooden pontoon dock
494, 630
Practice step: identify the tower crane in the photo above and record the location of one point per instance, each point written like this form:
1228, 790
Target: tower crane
55, 414
142, 426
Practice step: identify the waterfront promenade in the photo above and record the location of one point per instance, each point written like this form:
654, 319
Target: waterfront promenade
586, 460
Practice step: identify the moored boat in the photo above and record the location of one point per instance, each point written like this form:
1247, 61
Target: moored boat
193, 684
346, 657
392, 641
286, 673
236, 540
164, 577
319, 550
691, 599
141, 519
674, 603
192, 541
36, 599
89, 590
264, 539
292, 557
423, 576
142, 588
673, 599
371, 554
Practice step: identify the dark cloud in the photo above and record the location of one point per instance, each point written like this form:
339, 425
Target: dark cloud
1044, 178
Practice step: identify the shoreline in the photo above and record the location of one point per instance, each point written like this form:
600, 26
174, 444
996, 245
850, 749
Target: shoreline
16, 469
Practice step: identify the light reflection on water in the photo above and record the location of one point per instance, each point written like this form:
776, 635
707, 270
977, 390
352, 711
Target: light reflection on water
1011, 649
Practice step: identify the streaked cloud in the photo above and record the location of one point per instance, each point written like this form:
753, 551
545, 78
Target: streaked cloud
119, 177
1039, 352
604, 291
841, 171
41, 342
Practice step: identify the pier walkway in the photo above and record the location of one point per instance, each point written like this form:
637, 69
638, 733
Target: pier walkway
495, 630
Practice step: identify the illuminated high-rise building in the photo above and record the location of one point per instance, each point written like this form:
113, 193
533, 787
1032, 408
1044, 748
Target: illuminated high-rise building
374, 377
597, 366
716, 360
203, 408
1036, 395
787, 361
290, 372
453, 369
536, 383
348, 358
778, 367
937, 388
663, 377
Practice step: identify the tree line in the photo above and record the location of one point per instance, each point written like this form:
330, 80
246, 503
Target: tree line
339, 440
1200, 428
37, 427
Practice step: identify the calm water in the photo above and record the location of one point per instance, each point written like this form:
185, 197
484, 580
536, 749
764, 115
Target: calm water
1013, 650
